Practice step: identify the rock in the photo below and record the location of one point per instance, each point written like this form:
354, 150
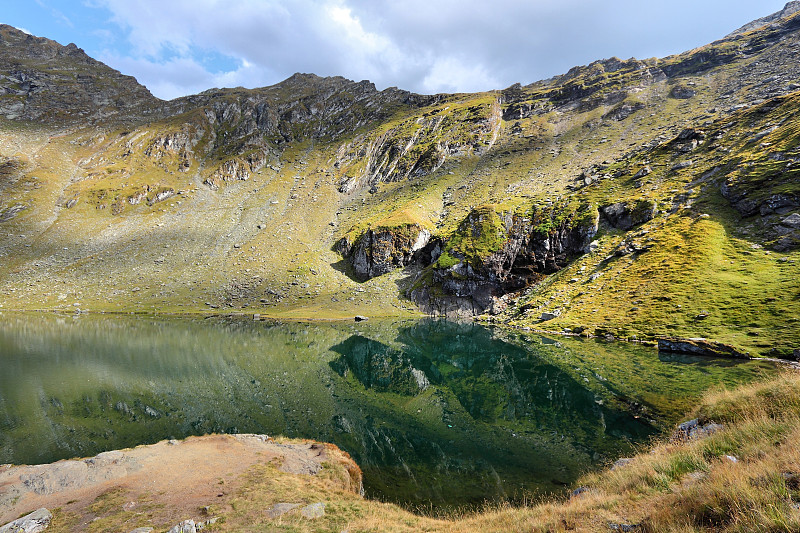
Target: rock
281, 508
34, 522
315, 510
550, 316
625, 216
579, 492
11, 212
624, 527
681, 165
792, 221
619, 463
515, 251
380, 250
360, 318
699, 346
187, 526
643, 172
682, 92
692, 430
777, 203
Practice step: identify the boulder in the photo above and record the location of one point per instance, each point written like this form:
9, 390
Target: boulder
792, 221
281, 508
699, 346
34, 522
624, 216
187, 526
693, 429
380, 250
550, 316
681, 165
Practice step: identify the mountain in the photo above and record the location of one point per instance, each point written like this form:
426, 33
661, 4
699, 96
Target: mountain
626, 198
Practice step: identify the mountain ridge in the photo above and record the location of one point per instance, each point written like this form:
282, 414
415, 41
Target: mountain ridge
326, 197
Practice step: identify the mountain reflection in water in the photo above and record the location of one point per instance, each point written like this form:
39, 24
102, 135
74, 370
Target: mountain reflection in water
436, 413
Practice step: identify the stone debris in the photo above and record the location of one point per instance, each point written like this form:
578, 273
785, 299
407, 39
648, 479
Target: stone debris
693, 430
187, 526
34, 522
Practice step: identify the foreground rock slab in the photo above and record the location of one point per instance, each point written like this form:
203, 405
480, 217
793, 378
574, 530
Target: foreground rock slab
207, 469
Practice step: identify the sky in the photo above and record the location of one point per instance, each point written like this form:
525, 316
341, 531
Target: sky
180, 47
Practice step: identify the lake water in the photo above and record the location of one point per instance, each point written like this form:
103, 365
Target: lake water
437, 414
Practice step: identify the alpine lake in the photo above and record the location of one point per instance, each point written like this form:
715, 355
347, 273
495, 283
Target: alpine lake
439, 415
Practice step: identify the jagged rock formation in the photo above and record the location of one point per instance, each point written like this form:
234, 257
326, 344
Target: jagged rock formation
494, 253
40, 79
380, 250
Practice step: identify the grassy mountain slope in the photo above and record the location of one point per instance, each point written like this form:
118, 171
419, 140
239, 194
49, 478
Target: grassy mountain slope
236, 199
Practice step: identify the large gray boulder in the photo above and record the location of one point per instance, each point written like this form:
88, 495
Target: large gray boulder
35, 522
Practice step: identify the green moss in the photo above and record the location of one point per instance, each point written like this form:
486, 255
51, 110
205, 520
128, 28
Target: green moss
479, 235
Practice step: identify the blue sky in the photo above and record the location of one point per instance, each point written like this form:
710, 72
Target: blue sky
179, 47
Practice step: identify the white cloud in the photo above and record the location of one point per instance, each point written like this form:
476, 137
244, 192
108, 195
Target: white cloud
420, 45
451, 75
23, 30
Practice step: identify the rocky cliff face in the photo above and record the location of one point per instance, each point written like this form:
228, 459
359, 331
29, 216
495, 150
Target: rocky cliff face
40, 79
379, 251
493, 254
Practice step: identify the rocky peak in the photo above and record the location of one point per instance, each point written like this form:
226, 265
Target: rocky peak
42, 79
788, 10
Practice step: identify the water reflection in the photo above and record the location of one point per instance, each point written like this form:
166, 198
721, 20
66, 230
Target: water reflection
435, 412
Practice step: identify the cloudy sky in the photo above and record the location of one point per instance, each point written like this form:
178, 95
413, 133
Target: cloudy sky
179, 47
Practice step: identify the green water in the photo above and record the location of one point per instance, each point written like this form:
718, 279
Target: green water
436, 413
